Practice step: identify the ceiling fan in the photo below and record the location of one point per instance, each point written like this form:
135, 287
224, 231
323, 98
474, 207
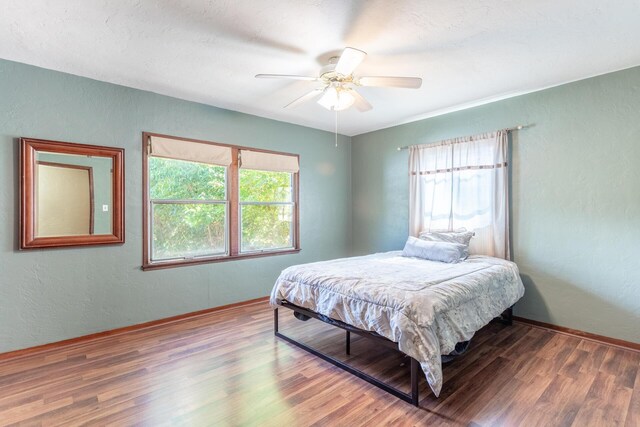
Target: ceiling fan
337, 91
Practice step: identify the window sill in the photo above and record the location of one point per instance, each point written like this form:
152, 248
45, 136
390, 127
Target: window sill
171, 264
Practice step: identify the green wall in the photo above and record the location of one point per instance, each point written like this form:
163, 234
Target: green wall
575, 203
54, 294
575, 196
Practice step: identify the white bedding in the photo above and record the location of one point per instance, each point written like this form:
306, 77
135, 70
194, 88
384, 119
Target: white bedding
425, 306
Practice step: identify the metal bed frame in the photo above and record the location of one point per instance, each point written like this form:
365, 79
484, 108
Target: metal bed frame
411, 397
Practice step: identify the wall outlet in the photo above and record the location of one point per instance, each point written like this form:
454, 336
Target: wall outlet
105, 208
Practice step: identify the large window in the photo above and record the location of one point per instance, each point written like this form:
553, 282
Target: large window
463, 183
207, 202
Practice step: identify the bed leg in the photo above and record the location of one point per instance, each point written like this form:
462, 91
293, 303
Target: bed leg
507, 316
348, 339
415, 372
275, 320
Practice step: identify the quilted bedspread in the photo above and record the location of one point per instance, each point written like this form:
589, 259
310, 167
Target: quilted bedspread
425, 306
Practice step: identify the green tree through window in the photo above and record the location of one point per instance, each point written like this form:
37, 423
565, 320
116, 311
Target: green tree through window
190, 205
266, 210
189, 208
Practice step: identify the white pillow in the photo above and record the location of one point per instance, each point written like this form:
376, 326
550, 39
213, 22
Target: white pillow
435, 251
460, 235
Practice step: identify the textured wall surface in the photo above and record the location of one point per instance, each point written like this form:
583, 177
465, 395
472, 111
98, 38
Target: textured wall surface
575, 197
576, 203
54, 294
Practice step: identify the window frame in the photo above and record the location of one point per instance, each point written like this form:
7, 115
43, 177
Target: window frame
254, 203
233, 230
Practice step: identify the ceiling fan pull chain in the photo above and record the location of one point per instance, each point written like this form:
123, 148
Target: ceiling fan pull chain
336, 121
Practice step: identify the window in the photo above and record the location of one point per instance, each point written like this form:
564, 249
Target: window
207, 202
463, 183
188, 203
266, 210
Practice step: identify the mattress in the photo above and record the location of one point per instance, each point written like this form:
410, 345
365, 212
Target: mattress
424, 306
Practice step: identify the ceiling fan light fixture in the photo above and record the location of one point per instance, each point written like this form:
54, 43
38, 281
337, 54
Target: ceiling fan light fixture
345, 100
336, 98
329, 97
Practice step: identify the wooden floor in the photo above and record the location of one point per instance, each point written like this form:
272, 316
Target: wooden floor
227, 368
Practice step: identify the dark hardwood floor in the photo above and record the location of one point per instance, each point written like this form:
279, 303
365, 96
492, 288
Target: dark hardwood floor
227, 368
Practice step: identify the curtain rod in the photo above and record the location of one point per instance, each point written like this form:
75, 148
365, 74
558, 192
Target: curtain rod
519, 127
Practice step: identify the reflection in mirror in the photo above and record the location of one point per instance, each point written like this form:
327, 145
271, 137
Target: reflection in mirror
71, 194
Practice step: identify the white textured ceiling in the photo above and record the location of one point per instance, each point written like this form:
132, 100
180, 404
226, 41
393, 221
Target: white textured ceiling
466, 51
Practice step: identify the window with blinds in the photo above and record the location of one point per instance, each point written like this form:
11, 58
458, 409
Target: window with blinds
207, 202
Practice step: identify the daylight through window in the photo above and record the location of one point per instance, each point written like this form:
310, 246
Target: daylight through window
210, 202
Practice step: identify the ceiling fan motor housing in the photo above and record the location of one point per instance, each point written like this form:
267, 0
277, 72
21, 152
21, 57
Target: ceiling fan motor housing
328, 72
329, 75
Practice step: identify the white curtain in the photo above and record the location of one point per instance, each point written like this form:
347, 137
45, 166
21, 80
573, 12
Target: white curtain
462, 183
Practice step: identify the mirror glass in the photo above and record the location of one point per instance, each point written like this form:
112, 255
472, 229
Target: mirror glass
70, 194
73, 194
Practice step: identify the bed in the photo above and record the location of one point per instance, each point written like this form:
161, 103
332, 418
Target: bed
423, 308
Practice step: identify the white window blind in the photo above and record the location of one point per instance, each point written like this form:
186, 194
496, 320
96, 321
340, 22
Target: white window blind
259, 160
190, 151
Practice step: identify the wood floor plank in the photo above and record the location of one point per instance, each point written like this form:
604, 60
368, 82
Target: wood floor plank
549, 360
463, 403
606, 403
227, 368
597, 353
633, 412
510, 407
559, 403
571, 368
629, 369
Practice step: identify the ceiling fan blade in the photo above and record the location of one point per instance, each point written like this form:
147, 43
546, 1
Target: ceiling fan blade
304, 98
349, 60
384, 81
360, 103
286, 76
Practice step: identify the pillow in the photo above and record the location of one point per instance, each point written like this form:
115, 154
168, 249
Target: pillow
435, 251
460, 235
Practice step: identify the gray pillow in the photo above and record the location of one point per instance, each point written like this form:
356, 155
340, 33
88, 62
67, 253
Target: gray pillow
435, 251
461, 236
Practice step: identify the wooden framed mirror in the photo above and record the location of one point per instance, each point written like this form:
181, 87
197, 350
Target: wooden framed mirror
70, 194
